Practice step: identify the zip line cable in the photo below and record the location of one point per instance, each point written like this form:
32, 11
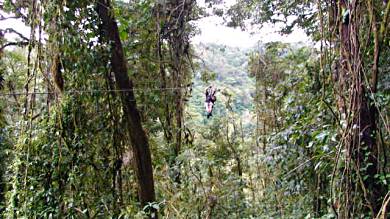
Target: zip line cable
93, 91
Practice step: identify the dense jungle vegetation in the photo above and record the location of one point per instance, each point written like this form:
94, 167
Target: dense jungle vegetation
102, 111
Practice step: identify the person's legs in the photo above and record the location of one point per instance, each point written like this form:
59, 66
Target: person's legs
210, 107
206, 104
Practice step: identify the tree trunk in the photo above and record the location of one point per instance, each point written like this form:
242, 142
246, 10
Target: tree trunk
175, 31
2, 149
139, 141
166, 118
360, 144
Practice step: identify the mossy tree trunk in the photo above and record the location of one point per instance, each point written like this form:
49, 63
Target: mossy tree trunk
138, 138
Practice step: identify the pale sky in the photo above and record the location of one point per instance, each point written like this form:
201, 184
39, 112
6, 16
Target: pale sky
212, 31
15, 24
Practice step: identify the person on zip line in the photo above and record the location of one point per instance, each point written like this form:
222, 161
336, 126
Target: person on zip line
210, 99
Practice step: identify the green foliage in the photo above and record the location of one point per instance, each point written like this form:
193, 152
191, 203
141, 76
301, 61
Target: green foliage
298, 140
272, 149
4, 143
228, 66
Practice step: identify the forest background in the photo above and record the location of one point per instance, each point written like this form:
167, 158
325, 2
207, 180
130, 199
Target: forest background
102, 111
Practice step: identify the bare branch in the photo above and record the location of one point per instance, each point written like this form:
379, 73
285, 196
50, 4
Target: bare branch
3, 18
21, 43
11, 30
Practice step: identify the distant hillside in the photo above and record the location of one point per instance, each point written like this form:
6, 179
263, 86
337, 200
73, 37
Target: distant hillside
226, 67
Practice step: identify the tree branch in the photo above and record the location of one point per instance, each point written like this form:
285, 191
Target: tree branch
11, 30
21, 43
3, 18
18, 11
